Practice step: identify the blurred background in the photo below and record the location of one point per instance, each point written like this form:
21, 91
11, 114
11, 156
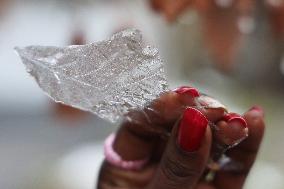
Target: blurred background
231, 49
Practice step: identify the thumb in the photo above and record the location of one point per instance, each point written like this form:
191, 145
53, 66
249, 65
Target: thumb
187, 153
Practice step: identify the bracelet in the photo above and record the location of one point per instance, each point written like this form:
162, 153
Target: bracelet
115, 159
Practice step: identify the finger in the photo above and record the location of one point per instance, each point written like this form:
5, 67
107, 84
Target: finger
211, 107
231, 130
145, 128
245, 153
226, 134
174, 8
186, 154
221, 34
157, 5
138, 133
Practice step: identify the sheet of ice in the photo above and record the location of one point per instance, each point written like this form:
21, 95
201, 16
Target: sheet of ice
107, 78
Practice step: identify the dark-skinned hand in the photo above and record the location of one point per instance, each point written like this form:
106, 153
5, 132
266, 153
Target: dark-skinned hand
175, 162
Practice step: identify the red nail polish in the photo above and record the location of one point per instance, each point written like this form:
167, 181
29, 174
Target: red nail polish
232, 117
258, 109
187, 90
192, 129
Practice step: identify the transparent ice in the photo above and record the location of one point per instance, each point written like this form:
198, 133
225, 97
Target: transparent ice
107, 78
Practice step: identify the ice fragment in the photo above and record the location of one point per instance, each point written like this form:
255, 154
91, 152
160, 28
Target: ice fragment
107, 78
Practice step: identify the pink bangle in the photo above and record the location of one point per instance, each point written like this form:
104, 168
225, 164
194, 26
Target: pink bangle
115, 159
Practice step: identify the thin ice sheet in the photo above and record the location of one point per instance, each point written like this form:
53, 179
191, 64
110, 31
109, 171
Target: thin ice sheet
107, 78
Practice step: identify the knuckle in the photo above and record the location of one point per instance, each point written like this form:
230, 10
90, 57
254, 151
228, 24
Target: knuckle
177, 171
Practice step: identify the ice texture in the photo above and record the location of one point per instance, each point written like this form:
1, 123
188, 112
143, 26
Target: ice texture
107, 78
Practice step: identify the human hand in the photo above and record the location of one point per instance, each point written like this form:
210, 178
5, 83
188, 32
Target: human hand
179, 143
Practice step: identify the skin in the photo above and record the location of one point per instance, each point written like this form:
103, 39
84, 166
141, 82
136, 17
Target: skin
219, 25
155, 136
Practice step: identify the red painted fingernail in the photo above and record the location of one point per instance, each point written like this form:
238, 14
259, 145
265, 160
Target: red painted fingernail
258, 109
233, 117
187, 90
192, 129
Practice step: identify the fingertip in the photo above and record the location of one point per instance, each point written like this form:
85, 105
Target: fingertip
192, 129
213, 109
256, 126
257, 110
185, 95
211, 103
255, 118
230, 133
186, 90
235, 118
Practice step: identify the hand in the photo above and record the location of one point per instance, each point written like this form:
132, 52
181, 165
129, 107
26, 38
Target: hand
179, 159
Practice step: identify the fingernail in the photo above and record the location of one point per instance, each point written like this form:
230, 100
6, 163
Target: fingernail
210, 102
234, 117
257, 109
192, 129
187, 90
